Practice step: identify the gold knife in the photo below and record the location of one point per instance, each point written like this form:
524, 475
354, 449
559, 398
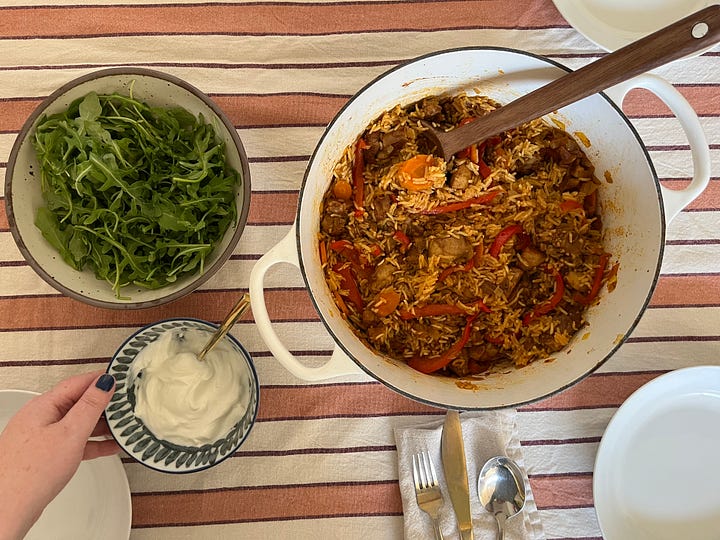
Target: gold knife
453, 461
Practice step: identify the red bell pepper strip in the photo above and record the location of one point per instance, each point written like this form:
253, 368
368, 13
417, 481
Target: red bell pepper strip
452, 269
403, 239
348, 284
466, 152
425, 364
358, 179
347, 249
483, 169
503, 236
481, 305
596, 284
551, 304
461, 205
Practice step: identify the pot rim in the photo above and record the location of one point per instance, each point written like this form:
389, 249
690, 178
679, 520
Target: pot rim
616, 345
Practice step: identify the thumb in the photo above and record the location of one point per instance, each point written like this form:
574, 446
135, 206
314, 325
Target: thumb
84, 415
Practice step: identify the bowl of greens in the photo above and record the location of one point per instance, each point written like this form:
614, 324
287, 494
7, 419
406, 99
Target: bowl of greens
127, 188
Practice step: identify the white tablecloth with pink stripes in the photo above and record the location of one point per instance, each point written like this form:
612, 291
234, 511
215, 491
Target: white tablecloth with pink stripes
321, 461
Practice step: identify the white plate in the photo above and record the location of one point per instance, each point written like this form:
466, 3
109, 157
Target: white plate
94, 504
612, 24
656, 472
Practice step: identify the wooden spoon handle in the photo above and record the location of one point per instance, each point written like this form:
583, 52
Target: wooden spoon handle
689, 35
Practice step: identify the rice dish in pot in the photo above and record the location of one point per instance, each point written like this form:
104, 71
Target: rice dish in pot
458, 267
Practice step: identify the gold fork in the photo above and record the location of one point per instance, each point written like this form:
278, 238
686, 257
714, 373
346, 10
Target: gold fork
427, 490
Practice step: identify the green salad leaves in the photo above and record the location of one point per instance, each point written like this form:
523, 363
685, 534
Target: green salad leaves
139, 194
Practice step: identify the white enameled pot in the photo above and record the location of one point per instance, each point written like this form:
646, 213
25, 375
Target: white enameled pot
635, 210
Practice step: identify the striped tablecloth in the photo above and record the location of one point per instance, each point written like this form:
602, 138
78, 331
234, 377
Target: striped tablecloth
321, 461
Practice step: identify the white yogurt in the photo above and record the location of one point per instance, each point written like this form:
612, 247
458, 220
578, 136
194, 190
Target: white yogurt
186, 401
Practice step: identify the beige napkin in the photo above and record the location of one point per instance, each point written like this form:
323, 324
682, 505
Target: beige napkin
485, 434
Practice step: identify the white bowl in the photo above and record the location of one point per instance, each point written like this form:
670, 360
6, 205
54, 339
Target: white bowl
23, 195
138, 441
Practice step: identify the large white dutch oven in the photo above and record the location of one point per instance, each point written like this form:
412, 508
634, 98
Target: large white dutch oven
635, 210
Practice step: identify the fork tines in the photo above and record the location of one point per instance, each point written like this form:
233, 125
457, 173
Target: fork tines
423, 471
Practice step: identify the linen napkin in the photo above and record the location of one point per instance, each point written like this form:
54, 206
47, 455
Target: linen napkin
485, 435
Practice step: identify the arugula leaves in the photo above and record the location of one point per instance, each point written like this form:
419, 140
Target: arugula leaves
139, 194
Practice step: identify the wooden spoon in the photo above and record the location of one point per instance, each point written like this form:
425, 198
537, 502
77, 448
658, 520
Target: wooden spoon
684, 37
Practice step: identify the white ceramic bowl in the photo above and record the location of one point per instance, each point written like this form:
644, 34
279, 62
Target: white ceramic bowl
635, 209
138, 441
23, 195
613, 24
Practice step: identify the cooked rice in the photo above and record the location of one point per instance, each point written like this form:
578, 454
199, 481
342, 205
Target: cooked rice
542, 181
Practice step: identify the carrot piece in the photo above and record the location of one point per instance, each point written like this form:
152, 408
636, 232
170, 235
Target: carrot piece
569, 205
386, 303
342, 190
323, 254
413, 172
479, 253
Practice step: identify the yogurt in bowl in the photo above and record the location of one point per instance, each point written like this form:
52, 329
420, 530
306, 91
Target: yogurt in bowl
174, 413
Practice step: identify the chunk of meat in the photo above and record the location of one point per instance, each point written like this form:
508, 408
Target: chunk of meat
530, 257
382, 276
461, 177
450, 248
429, 107
529, 164
335, 216
380, 207
574, 280
511, 280
391, 143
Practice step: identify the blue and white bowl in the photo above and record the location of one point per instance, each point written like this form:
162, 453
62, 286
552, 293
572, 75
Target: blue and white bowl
138, 441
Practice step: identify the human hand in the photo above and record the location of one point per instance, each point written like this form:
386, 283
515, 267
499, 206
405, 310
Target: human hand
44, 443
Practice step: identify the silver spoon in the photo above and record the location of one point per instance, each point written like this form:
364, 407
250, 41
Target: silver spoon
241, 307
501, 489
689, 35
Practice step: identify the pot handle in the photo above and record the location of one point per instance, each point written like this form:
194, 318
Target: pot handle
339, 364
674, 200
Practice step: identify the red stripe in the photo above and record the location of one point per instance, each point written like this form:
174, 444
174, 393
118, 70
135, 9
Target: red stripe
272, 18
265, 503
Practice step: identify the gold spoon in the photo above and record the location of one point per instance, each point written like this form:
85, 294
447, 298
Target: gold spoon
684, 37
241, 307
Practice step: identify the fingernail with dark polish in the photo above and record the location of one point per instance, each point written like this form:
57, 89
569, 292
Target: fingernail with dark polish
105, 382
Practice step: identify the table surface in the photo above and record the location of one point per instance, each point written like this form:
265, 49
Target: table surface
321, 461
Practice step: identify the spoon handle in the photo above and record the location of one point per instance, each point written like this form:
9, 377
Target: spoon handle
234, 315
686, 36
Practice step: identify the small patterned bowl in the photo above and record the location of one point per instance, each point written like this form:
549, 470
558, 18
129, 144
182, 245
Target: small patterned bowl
137, 440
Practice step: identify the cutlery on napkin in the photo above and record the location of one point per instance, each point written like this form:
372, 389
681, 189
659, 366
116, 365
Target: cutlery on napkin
485, 434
